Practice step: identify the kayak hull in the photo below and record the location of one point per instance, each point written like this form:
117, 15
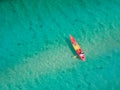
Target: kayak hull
77, 48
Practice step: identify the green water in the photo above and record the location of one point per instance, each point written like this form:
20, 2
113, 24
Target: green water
35, 52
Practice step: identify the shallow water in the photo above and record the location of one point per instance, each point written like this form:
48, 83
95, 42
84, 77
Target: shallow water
35, 52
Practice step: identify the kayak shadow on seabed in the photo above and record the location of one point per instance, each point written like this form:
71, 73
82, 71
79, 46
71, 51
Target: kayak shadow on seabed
70, 46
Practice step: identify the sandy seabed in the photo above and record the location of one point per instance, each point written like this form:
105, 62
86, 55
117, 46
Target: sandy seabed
35, 52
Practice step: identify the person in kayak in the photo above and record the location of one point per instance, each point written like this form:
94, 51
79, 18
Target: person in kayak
82, 55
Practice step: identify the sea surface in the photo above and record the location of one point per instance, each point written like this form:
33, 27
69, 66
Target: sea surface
35, 51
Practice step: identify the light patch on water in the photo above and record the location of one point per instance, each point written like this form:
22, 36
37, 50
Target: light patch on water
37, 66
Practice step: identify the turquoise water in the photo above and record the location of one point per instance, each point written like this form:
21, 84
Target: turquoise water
35, 52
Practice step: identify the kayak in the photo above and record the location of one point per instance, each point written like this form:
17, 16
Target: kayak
77, 48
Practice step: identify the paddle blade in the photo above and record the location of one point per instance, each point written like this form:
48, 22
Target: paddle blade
75, 57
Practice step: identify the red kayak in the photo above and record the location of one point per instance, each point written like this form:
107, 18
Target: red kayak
77, 48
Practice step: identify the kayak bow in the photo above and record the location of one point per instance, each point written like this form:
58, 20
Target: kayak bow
77, 48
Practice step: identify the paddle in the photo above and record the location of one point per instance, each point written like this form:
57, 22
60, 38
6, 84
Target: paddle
75, 56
